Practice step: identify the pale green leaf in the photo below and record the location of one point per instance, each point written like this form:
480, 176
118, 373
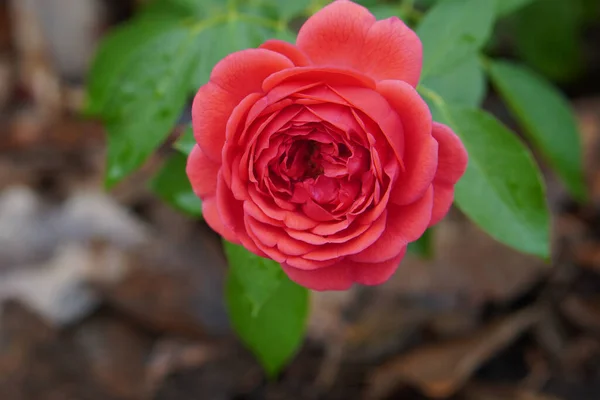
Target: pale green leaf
259, 277
275, 333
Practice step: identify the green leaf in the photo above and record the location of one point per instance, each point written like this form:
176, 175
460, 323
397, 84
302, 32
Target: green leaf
506, 7
277, 330
145, 71
452, 31
171, 184
259, 277
464, 84
186, 141
228, 36
383, 11
116, 53
503, 7
289, 9
546, 118
548, 36
502, 190
183, 8
148, 100
423, 247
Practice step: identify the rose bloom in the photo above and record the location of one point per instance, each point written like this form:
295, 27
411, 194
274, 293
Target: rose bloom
321, 155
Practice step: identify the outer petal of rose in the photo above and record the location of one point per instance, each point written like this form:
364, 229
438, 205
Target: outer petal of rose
336, 277
287, 49
345, 34
211, 215
335, 35
229, 147
452, 164
202, 173
405, 224
232, 79
376, 273
343, 274
231, 212
452, 156
443, 195
421, 150
392, 51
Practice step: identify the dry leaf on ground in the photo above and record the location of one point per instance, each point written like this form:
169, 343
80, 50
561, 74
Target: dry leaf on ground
440, 370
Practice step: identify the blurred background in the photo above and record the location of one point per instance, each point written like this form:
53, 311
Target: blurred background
115, 296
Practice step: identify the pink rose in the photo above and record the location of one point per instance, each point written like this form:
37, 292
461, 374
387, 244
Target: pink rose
321, 155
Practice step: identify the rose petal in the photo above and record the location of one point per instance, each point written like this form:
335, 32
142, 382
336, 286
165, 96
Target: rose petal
330, 76
321, 93
337, 277
341, 275
332, 251
239, 115
443, 196
421, 151
340, 117
345, 34
287, 49
291, 219
452, 156
270, 252
309, 265
232, 79
202, 173
335, 35
231, 212
331, 228
377, 108
212, 217
251, 209
376, 273
273, 236
343, 236
405, 224
392, 51
452, 164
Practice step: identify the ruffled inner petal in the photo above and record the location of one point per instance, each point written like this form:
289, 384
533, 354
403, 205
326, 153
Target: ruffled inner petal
313, 167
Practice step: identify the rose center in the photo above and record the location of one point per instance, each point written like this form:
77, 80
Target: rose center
303, 160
